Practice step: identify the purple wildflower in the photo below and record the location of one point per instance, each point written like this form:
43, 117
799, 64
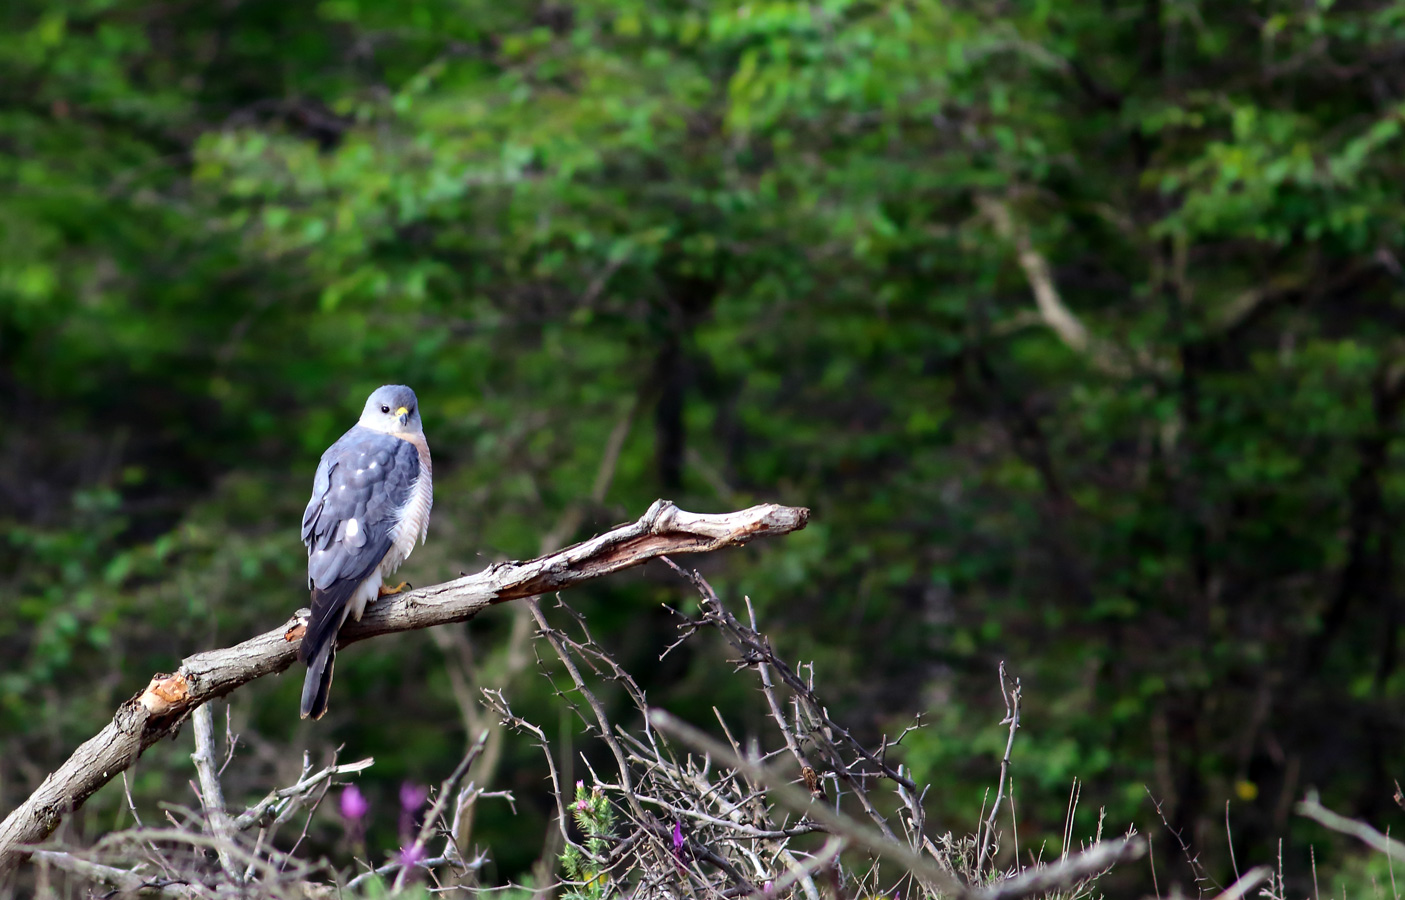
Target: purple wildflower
412, 796
353, 807
353, 804
678, 839
768, 886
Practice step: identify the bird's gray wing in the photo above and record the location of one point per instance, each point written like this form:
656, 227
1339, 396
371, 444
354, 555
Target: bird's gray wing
361, 484
321, 482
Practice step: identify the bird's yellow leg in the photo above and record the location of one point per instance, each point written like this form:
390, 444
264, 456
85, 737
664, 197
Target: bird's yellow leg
392, 591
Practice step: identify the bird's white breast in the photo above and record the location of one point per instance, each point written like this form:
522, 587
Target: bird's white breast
412, 522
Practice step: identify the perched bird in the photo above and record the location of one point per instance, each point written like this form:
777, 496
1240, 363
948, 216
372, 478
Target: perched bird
370, 505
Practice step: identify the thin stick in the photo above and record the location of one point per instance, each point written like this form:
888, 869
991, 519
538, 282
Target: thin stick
1201, 876
495, 701
1229, 839
282, 803
446, 790
1359, 830
1245, 884
769, 690
211, 793
1390, 862
1151, 861
1014, 822
1012, 715
155, 856
1067, 872
823, 857
1073, 793
602, 721
123, 880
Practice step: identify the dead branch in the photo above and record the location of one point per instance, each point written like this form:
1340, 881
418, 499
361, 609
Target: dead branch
1313, 809
123, 880
756, 649
658, 820
1052, 311
1069, 871
163, 706
1012, 716
803, 802
1246, 883
566, 649
279, 806
447, 791
211, 792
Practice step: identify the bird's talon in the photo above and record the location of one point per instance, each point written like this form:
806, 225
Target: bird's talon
390, 592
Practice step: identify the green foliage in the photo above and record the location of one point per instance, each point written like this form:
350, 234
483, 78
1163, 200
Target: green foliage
595, 817
756, 237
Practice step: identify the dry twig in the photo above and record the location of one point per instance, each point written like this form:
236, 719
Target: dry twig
211, 793
1068, 871
1012, 717
1314, 810
446, 790
799, 801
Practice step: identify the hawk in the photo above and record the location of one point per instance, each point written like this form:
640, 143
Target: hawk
370, 504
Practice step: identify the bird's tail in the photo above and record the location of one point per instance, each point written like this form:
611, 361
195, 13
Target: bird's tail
317, 685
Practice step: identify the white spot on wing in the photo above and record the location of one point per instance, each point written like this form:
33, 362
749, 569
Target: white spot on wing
353, 528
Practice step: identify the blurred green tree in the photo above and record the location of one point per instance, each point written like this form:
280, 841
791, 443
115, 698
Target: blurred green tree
1077, 325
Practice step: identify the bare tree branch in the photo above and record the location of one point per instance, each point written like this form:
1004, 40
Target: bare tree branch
1052, 310
211, 792
1246, 883
1069, 871
1012, 716
279, 805
123, 880
1369, 836
1041, 280
161, 708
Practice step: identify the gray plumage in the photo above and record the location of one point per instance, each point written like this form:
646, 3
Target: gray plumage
370, 504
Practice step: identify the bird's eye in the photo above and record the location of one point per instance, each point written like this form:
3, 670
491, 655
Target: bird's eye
385, 409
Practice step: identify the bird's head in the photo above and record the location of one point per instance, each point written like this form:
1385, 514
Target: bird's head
392, 408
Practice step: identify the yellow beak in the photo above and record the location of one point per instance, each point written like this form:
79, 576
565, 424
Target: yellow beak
402, 411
